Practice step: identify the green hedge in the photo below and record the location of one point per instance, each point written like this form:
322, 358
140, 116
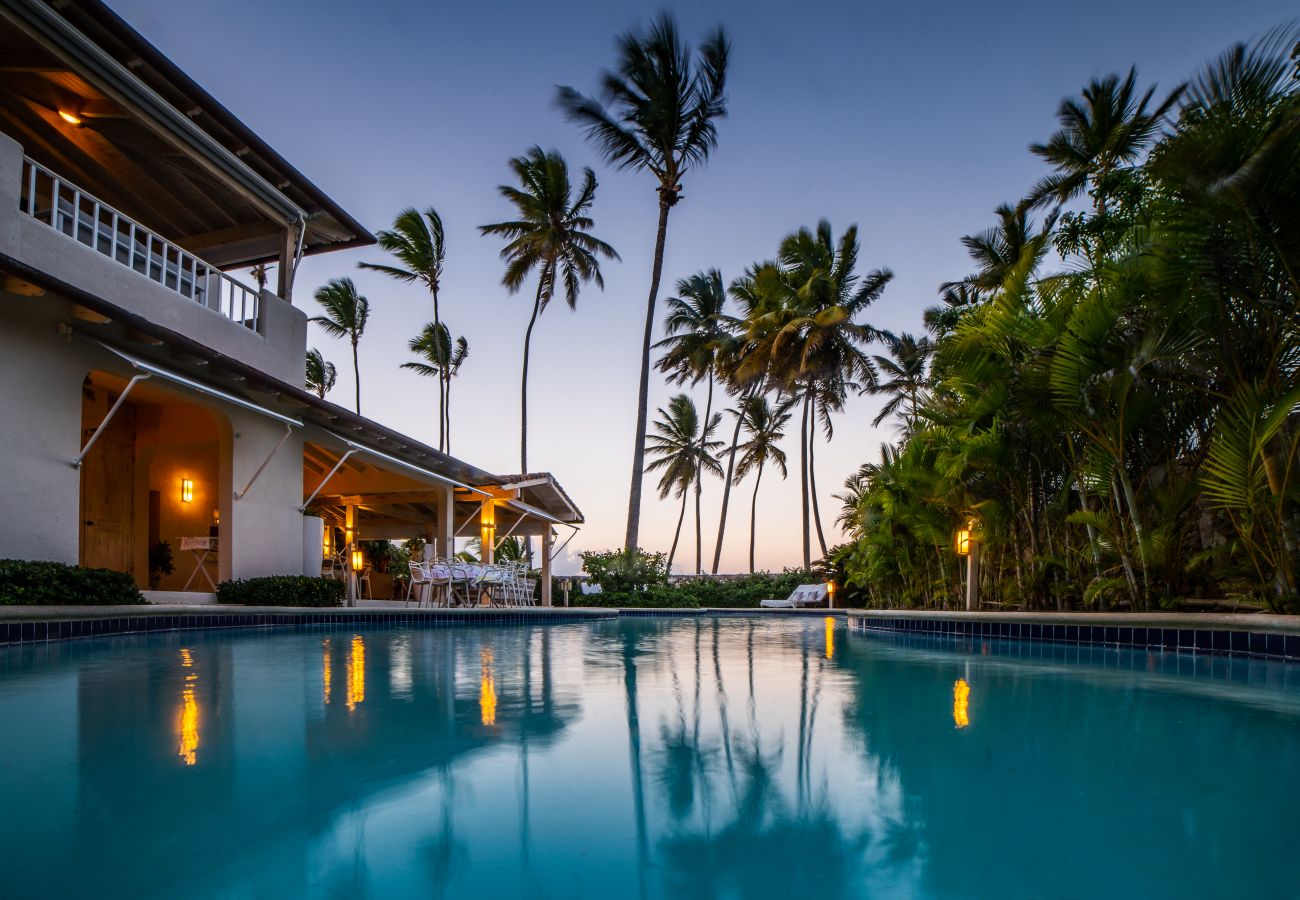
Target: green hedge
744, 592
282, 590
27, 583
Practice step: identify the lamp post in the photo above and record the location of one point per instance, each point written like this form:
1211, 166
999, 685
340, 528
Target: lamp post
565, 584
968, 546
831, 588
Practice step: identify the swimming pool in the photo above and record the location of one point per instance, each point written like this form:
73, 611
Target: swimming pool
650, 757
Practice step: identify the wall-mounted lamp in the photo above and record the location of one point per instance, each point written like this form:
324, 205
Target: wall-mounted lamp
358, 561
187, 490
69, 117
327, 539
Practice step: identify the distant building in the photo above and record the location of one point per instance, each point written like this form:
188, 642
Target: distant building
151, 390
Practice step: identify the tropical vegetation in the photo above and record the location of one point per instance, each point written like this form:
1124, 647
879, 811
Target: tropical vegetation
1111, 397
346, 314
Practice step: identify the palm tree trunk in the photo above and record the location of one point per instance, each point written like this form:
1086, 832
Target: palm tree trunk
678, 533
443, 386
753, 518
356, 372
446, 407
699, 475
812, 478
643, 391
726, 487
523, 387
803, 481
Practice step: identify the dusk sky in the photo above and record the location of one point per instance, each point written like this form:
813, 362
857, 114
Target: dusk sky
911, 120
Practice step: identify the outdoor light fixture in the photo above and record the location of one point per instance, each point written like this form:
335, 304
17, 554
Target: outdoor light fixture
962, 542
831, 588
347, 535
70, 118
358, 561
187, 490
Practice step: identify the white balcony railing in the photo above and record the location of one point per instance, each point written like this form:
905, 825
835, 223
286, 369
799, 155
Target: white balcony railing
71, 211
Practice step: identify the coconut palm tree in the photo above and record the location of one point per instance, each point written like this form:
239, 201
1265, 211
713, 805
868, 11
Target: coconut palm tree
552, 237
904, 377
804, 332
1107, 129
321, 373
346, 312
659, 115
681, 449
418, 242
441, 359
700, 337
764, 427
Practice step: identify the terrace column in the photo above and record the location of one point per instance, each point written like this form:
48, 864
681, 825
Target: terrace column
350, 534
548, 541
487, 531
445, 525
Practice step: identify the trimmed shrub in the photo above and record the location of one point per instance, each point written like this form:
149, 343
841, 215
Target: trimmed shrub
27, 583
743, 592
619, 571
656, 597
282, 590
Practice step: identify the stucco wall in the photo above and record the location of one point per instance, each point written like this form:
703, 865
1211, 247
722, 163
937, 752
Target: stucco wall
40, 431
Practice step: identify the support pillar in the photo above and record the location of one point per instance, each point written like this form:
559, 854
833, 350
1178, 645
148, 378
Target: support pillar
445, 525
548, 543
487, 531
350, 535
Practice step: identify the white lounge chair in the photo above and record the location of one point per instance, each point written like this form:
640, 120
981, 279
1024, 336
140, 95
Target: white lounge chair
803, 595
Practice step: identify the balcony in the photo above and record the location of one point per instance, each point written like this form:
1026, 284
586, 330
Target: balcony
66, 208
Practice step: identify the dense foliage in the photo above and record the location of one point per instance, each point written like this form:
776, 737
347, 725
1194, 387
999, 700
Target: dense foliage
282, 590
625, 571
1120, 424
28, 583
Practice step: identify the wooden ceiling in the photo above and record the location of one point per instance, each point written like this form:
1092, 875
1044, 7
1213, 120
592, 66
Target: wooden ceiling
116, 155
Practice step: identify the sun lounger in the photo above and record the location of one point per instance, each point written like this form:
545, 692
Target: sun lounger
803, 595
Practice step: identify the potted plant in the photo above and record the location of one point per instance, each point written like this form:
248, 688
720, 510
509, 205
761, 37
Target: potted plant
160, 563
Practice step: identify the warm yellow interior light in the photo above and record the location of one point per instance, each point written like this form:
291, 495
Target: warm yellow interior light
70, 118
187, 490
358, 561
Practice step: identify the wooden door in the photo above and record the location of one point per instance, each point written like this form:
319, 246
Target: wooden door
107, 495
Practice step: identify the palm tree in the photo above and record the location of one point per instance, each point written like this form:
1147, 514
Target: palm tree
659, 116
441, 359
1108, 129
700, 336
346, 313
764, 430
321, 373
418, 242
682, 449
904, 372
803, 330
552, 236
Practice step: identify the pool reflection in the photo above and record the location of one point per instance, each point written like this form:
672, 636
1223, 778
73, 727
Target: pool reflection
700, 757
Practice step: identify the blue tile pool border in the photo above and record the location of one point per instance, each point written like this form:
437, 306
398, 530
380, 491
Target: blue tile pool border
1181, 637
34, 629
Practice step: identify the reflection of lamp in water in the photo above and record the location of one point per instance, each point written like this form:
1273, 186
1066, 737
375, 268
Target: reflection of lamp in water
187, 719
356, 673
961, 703
487, 690
326, 674
830, 637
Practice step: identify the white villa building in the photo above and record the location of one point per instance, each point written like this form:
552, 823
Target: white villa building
151, 390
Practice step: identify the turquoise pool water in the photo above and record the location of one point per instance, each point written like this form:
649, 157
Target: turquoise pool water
660, 758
